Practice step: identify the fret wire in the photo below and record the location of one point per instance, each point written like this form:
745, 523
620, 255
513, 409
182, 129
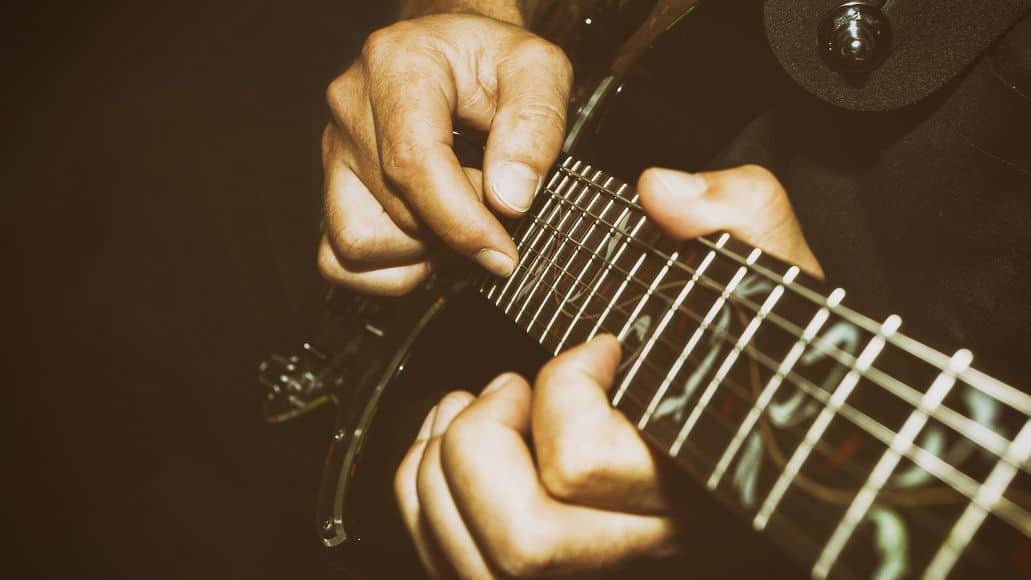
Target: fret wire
609, 266
558, 252
931, 463
988, 385
984, 437
736, 388
548, 232
618, 293
988, 495
692, 342
991, 387
823, 419
630, 275
644, 298
770, 389
587, 264
533, 223
601, 277
840, 356
746, 335
946, 473
741, 392
529, 268
564, 239
889, 460
980, 435
674, 307
631, 203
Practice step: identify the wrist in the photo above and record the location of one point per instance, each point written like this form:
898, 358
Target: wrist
510, 11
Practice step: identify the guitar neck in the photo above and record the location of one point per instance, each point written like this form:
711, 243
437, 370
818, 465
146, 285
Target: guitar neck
863, 451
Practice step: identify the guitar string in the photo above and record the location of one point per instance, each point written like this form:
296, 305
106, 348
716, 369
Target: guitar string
985, 509
580, 196
736, 387
1017, 400
945, 472
988, 386
561, 244
519, 290
984, 437
958, 423
525, 237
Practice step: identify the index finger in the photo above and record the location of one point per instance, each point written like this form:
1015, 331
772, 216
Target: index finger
415, 145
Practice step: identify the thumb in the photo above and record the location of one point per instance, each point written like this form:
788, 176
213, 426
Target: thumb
747, 201
588, 453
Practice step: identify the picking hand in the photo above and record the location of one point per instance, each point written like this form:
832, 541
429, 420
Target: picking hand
392, 181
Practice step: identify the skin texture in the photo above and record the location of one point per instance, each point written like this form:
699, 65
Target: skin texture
517, 481
551, 480
393, 183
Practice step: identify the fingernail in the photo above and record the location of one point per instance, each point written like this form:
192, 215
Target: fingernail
681, 183
495, 262
496, 384
514, 184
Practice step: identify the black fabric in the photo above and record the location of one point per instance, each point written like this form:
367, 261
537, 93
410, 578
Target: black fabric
933, 42
162, 160
922, 210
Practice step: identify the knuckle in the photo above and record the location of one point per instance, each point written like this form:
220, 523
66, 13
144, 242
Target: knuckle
521, 554
353, 243
399, 286
341, 90
380, 43
327, 264
400, 158
568, 471
454, 444
554, 369
545, 118
761, 180
537, 49
455, 399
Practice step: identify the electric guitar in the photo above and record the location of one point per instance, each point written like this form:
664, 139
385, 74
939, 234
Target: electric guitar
853, 449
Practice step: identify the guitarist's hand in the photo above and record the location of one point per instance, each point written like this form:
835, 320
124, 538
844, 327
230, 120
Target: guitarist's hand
479, 503
747, 201
392, 181
483, 494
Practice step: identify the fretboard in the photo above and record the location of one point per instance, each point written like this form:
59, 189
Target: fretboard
864, 452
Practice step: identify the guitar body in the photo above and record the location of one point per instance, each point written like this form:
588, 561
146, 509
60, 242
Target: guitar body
388, 361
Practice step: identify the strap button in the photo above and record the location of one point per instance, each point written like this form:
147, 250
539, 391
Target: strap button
854, 37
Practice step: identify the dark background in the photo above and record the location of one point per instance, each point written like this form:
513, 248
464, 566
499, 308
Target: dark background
162, 160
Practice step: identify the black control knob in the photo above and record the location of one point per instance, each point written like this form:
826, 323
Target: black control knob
855, 37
